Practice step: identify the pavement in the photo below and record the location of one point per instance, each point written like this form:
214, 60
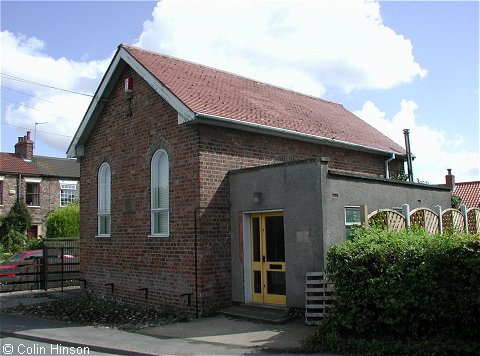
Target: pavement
217, 335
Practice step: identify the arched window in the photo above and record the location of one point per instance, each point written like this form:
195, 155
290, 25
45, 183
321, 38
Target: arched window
160, 194
104, 199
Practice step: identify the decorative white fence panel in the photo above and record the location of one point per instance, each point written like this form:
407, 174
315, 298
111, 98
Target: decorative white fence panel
438, 221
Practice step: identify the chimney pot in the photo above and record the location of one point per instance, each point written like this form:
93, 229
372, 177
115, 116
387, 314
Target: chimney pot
28, 135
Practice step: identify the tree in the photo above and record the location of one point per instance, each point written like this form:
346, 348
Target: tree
64, 222
14, 225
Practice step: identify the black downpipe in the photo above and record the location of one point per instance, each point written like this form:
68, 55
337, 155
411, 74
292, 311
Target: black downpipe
196, 249
406, 133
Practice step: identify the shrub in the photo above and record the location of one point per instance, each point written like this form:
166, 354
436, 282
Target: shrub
403, 288
18, 218
13, 226
64, 222
14, 241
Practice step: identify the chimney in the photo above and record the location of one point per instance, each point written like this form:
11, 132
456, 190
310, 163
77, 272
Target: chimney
24, 147
450, 180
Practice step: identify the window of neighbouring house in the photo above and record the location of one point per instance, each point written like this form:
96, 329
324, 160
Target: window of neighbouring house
352, 219
68, 192
160, 194
104, 200
32, 197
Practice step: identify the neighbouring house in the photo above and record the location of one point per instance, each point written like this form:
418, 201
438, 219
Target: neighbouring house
43, 183
201, 188
469, 192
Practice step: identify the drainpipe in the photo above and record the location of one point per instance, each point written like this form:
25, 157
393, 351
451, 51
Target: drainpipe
406, 133
19, 185
387, 174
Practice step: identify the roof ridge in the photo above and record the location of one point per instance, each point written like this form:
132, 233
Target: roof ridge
228, 73
51, 157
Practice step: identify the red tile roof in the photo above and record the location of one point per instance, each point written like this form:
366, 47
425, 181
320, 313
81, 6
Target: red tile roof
469, 192
12, 163
214, 92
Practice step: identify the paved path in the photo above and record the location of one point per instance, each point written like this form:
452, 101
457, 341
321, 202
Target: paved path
217, 335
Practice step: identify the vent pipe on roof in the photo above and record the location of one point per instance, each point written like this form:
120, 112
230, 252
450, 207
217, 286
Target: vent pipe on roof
406, 133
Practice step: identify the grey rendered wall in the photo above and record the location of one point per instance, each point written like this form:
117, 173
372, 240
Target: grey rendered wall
343, 190
294, 188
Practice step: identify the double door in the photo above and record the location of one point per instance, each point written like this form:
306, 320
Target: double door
268, 258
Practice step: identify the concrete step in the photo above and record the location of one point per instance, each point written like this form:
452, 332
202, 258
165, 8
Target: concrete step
260, 313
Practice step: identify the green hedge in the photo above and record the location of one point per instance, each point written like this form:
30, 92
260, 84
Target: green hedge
404, 286
64, 222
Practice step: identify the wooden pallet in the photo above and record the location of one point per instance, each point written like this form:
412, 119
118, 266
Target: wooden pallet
318, 297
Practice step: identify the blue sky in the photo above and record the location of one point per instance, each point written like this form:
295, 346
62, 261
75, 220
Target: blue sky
394, 64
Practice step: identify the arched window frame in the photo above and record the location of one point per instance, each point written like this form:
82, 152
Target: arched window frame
104, 200
159, 194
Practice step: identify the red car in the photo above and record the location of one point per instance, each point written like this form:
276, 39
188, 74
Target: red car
22, 259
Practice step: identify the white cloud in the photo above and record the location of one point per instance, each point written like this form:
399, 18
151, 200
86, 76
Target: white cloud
24, 57
306, 46
435, 150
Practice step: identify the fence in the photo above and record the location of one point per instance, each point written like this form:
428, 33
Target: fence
318, 296
319, 293
59, 266
436, 221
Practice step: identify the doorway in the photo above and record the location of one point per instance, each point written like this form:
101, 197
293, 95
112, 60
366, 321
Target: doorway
268, 258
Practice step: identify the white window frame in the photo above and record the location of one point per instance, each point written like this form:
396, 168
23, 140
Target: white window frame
159, 176
104, 200
68, 185
350, 224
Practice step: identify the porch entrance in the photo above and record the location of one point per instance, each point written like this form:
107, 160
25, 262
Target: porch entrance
268, 258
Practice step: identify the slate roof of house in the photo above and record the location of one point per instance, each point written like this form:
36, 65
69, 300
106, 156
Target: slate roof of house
469, 192
39, 166
57, 167
214, 92
201, 94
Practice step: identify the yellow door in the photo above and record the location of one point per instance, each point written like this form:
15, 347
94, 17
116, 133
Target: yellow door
268, 258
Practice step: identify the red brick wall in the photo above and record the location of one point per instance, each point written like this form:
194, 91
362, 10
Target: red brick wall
200, 157
130, 258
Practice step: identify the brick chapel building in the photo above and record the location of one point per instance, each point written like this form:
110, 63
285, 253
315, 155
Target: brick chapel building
157, 148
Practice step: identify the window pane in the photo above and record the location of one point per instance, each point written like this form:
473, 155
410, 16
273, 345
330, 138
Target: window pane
352, 215
257, 282
104, 224
256, 239
160, 222
274, 238
32, 196
67, 196
160, 192
104, 187
276, 283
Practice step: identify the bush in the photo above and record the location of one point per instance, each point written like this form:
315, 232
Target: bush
14, 241
64, 222
18, 218
13, 226
407, 287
